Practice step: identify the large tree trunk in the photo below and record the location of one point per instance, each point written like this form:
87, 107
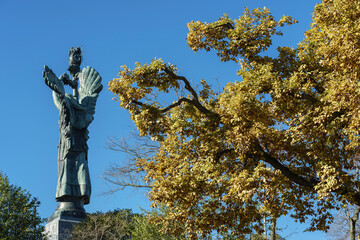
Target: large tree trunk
352, 229
273, 229
353, 221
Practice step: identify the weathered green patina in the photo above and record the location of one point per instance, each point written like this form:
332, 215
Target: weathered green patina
76, 113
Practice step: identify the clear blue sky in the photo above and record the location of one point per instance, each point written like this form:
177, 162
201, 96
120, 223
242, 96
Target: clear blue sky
111, 33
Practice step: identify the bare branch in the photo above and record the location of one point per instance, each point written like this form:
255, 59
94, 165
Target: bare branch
128, 173
341, 227
144, 146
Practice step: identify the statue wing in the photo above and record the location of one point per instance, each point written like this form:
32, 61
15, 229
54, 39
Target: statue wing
53, 82
89, 88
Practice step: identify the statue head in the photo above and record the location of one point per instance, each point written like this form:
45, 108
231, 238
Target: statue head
74, 60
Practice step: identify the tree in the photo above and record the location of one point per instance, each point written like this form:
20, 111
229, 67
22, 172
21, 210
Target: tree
145, 229
286, 135
115, 224
263, 237
345, 224
119, 224
19, 217
128, 174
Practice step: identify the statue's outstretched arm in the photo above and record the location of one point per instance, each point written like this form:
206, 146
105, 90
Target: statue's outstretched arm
67, 81
56, 98
53, 82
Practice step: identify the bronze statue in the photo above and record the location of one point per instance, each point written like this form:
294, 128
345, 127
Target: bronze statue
76, 113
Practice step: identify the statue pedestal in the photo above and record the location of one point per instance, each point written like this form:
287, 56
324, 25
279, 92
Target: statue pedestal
60, 225
60, 228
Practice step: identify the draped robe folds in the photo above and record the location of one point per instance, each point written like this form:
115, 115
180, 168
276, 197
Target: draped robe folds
73, 171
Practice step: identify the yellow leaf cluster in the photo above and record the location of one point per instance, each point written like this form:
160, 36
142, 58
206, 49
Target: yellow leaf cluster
285, 138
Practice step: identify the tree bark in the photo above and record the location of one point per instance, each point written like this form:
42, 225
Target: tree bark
273, 229
353, 221
265, 228
352, 229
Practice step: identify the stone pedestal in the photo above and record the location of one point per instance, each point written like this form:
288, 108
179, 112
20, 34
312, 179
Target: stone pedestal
59, 226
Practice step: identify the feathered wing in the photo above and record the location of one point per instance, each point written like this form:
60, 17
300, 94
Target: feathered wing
89, 88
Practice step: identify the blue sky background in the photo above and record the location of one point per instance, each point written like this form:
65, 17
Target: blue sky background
111, 33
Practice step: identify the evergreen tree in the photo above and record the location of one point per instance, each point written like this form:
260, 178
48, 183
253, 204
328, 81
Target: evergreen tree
19, 217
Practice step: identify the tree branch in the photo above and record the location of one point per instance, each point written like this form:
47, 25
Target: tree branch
285, 170
195, 100
356, 214
187, 83
227, 25
343, 190
176, 104
137, 102
129, 174
309, 97
122, 186
221, 153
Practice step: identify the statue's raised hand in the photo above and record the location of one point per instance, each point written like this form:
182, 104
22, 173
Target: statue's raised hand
53, 82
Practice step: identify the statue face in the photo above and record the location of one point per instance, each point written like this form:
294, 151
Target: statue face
75, 59
75, 56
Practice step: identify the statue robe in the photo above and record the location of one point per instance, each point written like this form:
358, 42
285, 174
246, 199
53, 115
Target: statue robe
73, 171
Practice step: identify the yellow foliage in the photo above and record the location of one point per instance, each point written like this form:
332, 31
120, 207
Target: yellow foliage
284, 138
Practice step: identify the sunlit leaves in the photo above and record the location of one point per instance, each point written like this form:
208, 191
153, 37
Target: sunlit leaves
338, 22
284, 138
245, 37
135, 84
